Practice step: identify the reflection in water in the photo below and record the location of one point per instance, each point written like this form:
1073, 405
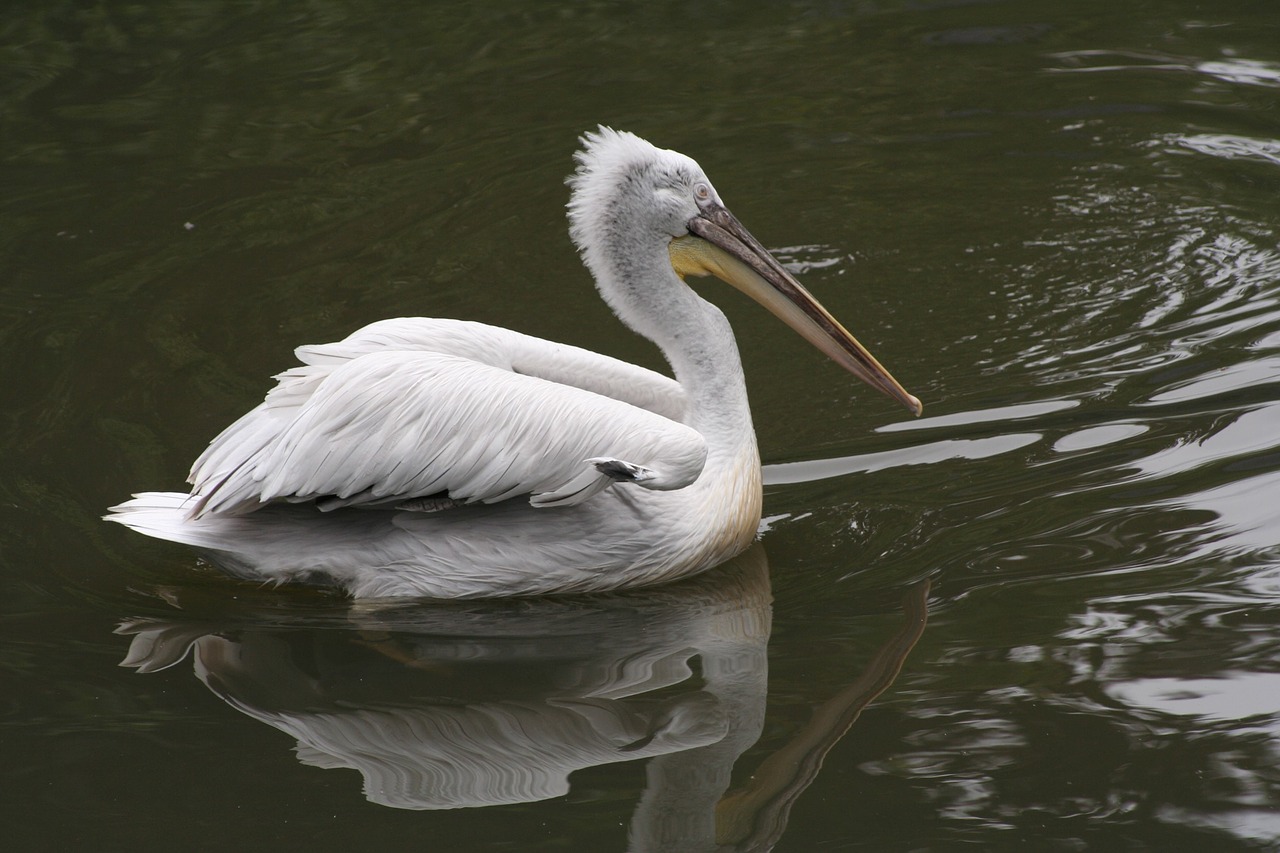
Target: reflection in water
457, 706
448, 705
1148, 515
1238, 71
924, 454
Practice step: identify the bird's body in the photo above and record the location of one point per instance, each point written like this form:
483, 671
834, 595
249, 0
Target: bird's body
488, 462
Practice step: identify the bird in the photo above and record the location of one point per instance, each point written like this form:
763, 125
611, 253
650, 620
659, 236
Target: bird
447, 458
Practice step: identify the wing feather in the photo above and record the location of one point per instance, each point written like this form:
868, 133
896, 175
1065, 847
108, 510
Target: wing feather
508, 350
394, 424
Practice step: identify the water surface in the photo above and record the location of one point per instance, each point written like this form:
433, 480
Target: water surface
1043, 616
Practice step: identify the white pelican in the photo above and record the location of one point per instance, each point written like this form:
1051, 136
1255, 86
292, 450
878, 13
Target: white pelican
509, 465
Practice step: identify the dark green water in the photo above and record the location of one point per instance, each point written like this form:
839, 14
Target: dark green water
1057, 225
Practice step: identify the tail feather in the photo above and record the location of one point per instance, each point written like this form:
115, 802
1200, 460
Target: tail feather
277, 543
165, 515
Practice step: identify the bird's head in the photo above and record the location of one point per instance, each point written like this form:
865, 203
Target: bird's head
629, 197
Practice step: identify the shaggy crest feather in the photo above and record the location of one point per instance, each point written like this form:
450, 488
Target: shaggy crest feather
608, 160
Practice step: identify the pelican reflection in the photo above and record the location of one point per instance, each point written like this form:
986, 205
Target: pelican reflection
451, 705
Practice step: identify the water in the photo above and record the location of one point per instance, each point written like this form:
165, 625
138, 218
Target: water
1055, 224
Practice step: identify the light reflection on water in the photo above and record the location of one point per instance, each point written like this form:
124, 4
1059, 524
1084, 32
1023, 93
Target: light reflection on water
1162, 464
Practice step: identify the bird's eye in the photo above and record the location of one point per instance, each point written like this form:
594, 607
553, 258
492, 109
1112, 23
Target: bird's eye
702, 192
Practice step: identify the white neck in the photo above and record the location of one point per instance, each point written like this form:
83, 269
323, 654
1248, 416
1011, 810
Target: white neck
694, 335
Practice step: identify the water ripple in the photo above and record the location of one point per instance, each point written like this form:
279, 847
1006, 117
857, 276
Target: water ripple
1229, 146
1234, 70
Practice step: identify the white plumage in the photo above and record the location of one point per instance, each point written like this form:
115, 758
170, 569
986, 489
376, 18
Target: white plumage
504, 464
418, 407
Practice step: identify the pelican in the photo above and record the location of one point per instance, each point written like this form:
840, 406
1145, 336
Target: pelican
491, 463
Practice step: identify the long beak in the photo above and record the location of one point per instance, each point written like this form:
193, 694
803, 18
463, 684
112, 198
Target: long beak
724, 248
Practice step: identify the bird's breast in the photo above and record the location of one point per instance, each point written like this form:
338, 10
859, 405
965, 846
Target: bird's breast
732, 506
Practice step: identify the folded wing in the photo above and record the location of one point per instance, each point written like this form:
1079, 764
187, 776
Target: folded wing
369, 421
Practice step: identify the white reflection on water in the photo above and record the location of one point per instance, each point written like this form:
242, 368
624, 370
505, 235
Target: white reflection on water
1099, 436
1231, 147
1233, 70
1155, 526
442, 707
1220, 380
1148, 314
1193, 663
1246, 518
962, 759
1248, 434
1252, 72
448, 705
922, 454
1249, 704
1227, 696
941, 450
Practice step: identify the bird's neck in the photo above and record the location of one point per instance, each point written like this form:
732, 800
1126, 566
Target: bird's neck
696, 339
